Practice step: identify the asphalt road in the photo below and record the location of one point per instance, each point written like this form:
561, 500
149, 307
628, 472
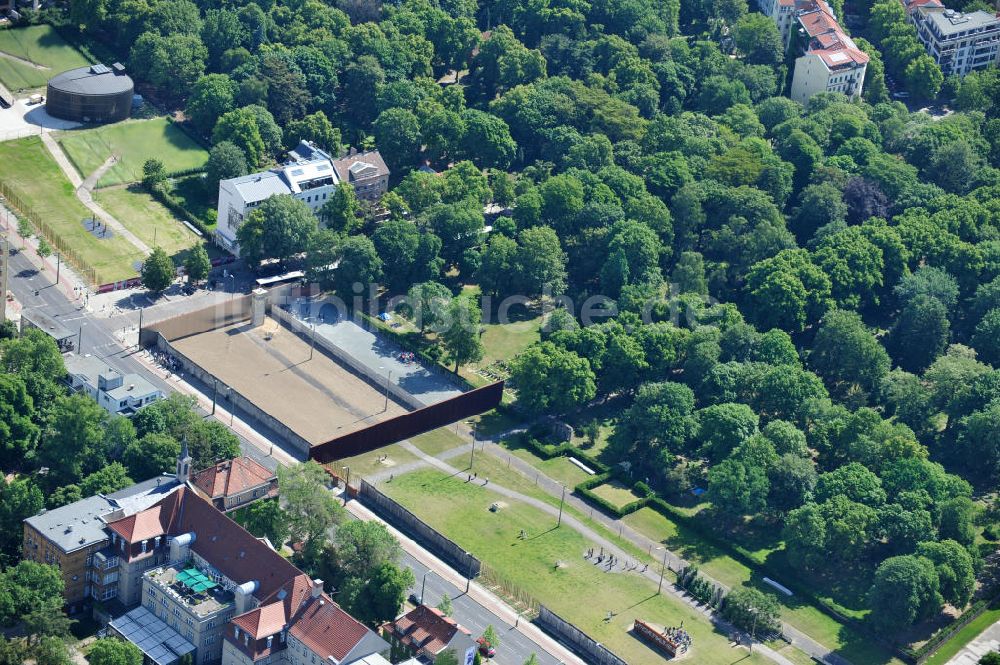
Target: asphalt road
98, 338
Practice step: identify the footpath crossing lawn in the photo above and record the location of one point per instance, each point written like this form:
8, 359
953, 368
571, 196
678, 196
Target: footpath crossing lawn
41, 45
148, 219
575, 588
28, 168
134, 142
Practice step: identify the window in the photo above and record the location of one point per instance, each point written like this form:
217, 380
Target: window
110, 593
108, 579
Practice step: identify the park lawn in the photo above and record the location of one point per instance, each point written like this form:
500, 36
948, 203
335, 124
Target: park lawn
28, 168
968, 632
616, 493
147, 218
503, 341
367, 464
439, 440
134, 142
556, 468
717, 564
461, 511
39, 44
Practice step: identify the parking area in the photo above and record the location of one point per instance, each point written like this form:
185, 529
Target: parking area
23, 119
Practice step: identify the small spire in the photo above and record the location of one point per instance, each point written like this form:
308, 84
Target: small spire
183, 463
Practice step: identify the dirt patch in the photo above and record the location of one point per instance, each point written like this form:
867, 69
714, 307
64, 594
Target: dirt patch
279, 372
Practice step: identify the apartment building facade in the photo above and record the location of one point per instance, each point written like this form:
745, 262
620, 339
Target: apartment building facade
959, 42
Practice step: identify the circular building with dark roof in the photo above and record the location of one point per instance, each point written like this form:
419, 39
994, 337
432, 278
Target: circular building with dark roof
97, 93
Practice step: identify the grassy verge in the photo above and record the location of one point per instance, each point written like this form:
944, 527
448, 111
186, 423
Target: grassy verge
28, 168
148, 219
968, 633
41, 45
134, 142
549, 564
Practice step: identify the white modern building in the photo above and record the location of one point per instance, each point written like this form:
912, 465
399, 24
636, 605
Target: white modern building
959, 43
117, 393
829, 60
310, 175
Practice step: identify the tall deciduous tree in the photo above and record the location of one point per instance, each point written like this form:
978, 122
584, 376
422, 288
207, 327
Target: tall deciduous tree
311, 510
277, 229
461, 336
552, 380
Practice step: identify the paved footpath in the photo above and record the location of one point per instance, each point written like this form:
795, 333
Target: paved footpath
609, 547
83, 192
987, 641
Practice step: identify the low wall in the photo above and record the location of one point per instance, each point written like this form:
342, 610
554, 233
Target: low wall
338, 354
401, 518
409, 425
592, 651
234, 399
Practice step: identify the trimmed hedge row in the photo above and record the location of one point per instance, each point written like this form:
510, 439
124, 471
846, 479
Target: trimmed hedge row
565, 449
584, 490
174, 206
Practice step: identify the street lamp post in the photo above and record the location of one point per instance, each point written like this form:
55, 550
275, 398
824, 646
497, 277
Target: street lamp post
423, 585
472, 457
663, 569
233, 292
561, 501
753, 626
312, 340
58, 265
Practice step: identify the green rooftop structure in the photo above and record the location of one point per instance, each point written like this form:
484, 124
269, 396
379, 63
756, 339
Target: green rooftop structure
195, 580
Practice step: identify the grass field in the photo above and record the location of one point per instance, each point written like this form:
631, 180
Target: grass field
616, 493
134, 141
148, 219
27, 167
461, 510
41, 45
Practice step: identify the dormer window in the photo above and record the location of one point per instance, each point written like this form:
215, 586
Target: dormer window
270, 639
156, 541
236, 632
144, 546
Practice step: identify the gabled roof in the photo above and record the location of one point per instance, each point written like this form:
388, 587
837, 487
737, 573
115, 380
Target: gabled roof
426, 629
149, 523
264, 621
827, 40
327, 629
232, 477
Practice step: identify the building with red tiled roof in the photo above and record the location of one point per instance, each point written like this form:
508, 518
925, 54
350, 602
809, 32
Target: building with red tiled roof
828, 59
196, 583
235, 483
425, 632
